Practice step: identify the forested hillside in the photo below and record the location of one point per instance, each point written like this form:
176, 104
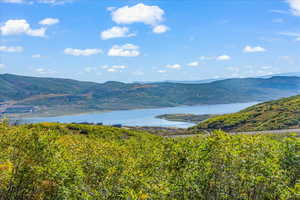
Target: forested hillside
49, 93
273, 115
67, 161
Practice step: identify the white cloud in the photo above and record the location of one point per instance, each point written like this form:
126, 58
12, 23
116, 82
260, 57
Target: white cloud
36, 56
2, 66
249, 49
43, 71
297, 35
175, 66
223, 57
295, 6
41, 32
127, 50
82, 52
49, 21
11, 49
116, 32
161, 71
20, 26
251, 71
140, 13
116, 68
194, 64
113, 68
160, 29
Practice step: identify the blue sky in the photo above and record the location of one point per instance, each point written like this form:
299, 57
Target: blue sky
154, 40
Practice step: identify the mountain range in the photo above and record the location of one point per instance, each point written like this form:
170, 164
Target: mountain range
55, 93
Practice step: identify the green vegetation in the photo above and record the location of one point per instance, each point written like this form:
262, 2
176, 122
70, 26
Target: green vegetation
51, 95
274, 115
68, 161
185, 117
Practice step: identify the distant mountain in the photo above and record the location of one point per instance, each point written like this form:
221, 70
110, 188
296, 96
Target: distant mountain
273, 115
297, 74
54, 93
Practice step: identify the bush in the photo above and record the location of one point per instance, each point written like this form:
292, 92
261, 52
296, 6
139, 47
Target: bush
68, 161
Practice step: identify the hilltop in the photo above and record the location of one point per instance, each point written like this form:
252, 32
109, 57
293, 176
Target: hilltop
273, 115
62, 95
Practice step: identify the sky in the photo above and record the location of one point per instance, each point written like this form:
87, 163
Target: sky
150, 40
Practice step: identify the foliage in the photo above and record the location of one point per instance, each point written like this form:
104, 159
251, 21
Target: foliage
274, 115
68, 161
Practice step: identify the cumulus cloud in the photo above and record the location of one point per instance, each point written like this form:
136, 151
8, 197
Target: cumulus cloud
160, 29
295, 6
82, 52
116, 32
194, 64
141, 13
19, 27
175, 66
223, 57
49, 21
161, 71
127, 50
250, 49
11, 49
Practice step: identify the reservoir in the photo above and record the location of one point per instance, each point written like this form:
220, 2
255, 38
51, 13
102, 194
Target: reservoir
146, 117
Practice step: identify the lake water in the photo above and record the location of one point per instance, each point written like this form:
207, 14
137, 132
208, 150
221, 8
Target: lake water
146, 117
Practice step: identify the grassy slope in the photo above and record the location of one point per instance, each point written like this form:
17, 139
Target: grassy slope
274, 115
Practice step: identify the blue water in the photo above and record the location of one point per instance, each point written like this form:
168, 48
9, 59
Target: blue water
146, 117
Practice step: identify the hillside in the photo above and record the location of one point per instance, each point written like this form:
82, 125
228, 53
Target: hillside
55, 94
68, 161
273, 115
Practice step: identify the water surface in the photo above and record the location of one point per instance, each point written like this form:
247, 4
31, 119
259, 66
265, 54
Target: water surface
146, 117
